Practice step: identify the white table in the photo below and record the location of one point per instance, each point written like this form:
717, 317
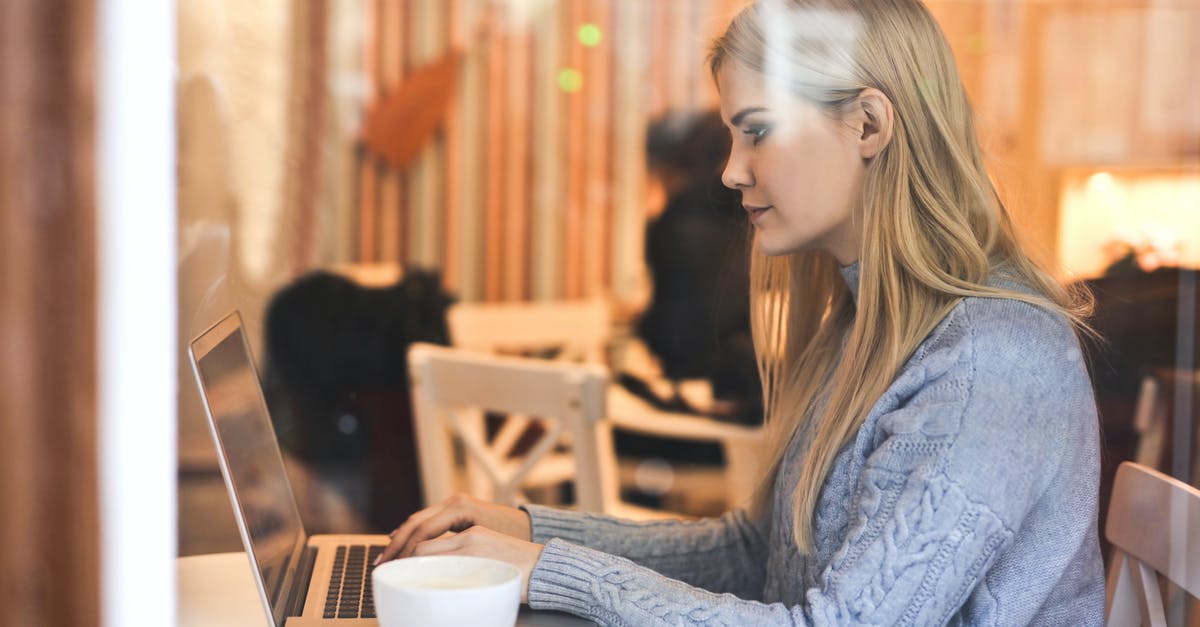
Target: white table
218, 590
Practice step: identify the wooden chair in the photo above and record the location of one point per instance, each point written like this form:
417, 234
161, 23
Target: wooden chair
1154, 526
451, 390
571, 330
578, 329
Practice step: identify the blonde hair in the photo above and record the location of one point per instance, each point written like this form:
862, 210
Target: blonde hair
933, 229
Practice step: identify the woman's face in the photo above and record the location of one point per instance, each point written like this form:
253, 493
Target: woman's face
799, 170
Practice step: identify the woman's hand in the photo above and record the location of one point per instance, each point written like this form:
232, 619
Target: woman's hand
483, 542
457, 513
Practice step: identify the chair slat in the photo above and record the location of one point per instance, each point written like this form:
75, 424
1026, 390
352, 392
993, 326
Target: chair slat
1154, 525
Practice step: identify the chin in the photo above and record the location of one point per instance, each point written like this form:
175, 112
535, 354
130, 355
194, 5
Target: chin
779, 249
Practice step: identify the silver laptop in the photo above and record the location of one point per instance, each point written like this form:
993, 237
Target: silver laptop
302, 580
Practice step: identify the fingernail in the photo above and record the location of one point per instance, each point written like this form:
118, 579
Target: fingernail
376, 562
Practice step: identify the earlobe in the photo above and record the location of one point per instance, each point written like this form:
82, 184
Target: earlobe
876, 111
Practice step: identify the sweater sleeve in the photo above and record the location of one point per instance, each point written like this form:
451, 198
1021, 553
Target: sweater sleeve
726, 554
948, 474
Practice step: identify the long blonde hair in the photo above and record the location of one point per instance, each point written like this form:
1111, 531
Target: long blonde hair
933, 229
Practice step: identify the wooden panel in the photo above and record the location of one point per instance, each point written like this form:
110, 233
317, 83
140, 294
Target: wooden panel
660, 47
597, 137
50, 565
307, 102
365, 196
631, 100
427, 32
392, 186
518, 119
548, 158
574, 201
493, 270
471, 107
453, 181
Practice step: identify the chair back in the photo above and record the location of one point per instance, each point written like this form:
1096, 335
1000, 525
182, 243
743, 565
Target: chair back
578, 329
453, 388
1154, 526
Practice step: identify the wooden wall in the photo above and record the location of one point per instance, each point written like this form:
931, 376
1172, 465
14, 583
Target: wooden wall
49, 565
533, 190
535, 186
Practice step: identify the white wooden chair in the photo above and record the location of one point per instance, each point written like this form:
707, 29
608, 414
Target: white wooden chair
1154, 526
453, 388
578, 329
581, 331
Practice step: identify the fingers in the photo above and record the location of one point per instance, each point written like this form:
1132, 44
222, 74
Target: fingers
445, 545
449, 515
402, 533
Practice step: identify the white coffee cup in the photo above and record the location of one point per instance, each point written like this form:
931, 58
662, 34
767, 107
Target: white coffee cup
446, 590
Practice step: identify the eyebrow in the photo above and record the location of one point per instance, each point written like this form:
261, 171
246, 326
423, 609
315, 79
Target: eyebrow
737, 118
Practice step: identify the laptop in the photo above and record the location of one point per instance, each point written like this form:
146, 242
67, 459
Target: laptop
302, 579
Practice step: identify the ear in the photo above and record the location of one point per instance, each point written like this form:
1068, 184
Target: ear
872, 117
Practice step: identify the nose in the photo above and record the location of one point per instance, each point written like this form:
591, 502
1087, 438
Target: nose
737, 173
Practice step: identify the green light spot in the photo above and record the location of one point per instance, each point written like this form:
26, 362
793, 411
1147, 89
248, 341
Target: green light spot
589, 35
570, 80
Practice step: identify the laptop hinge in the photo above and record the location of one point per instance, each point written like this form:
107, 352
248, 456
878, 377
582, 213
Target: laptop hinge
295, 601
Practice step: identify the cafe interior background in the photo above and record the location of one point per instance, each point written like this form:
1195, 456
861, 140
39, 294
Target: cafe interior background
348, 172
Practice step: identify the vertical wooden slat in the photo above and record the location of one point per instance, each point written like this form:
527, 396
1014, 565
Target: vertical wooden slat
660, 42
368, 221
493, 271
633, 27
598, 137
675, 60
50, 565
548, 158
392, 61
426, 30
472, 103
516, 162
574, 201
456, 36
307, 102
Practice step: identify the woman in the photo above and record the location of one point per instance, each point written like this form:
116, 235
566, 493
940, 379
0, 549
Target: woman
935, 441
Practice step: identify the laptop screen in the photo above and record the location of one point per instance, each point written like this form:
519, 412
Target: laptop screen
259, 485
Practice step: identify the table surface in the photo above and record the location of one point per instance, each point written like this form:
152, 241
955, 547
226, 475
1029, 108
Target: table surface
227, 576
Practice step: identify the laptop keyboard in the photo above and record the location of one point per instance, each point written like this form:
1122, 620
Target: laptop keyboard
350, 584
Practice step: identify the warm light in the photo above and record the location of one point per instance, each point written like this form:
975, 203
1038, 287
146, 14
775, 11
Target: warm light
1154, 215
1100, 182
570, 80
589, 35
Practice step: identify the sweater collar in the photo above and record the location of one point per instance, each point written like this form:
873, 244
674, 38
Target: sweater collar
850, 275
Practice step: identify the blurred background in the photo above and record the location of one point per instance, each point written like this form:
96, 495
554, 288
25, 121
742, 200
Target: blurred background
509, 147
348, 174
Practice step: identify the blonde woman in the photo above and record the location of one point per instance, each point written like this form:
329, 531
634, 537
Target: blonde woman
935, 449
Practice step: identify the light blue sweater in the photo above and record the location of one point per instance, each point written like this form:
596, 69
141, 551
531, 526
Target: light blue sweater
969, 496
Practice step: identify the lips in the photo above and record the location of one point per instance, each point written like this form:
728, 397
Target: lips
756, 211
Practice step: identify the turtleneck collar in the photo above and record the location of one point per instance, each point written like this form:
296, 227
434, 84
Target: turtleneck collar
850, 275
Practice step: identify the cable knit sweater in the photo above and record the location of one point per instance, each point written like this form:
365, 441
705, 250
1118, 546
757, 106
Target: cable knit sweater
969, 496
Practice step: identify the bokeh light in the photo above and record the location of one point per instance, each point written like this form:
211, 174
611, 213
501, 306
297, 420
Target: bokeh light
589, 35
570, 80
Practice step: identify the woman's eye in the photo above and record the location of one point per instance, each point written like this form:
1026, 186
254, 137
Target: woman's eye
757, 133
